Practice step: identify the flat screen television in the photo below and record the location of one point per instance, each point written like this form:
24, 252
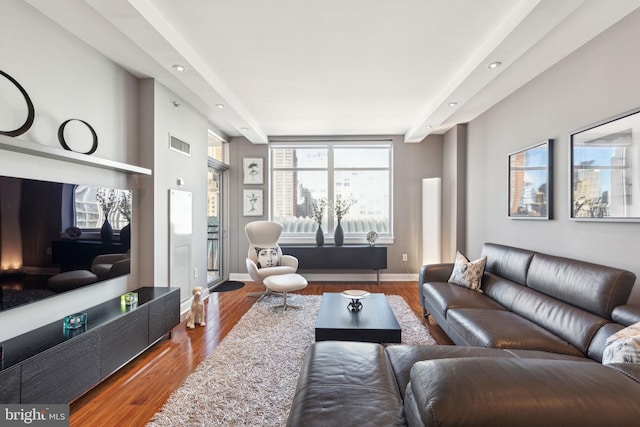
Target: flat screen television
56, 237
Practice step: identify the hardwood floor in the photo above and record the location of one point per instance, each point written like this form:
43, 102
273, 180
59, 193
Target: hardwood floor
131, 396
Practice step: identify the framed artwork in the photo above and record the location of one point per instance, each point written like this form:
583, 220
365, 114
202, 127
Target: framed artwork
531, 182
253, 168
604, 162
252, 202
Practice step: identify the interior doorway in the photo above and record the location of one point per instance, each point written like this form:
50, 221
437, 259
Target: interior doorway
216, 235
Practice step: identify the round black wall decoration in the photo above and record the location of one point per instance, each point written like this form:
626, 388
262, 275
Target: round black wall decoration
94, 146
30, 110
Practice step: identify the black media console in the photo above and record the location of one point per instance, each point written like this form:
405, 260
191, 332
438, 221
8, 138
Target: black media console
50, 365
363, 257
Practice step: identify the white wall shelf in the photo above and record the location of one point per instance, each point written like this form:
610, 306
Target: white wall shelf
40, 150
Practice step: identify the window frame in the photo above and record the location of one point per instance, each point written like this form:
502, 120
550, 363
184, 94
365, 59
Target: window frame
332, 144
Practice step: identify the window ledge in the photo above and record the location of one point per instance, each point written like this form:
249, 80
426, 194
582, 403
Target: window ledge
328, 241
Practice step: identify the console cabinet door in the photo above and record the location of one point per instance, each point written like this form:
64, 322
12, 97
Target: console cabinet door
10, 385
164, 315
64, 372
123, 339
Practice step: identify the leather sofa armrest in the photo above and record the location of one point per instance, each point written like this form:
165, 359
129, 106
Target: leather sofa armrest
433, 273
525, 392
627, 314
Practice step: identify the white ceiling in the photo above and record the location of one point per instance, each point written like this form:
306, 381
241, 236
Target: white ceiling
337, 67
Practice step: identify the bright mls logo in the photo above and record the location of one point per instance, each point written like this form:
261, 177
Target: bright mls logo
34, 415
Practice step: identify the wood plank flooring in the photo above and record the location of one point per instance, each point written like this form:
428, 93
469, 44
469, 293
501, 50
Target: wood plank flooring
131, 396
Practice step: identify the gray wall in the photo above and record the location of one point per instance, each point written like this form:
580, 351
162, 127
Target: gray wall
598, 81
454, 174
411, 163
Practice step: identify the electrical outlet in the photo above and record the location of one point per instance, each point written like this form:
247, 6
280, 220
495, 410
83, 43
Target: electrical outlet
404, 258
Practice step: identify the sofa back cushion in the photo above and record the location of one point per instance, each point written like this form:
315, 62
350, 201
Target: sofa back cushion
501, 290
573, 324
592, 287
508, 262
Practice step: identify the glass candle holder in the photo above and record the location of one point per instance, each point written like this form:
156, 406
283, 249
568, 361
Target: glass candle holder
75, 321
130, 298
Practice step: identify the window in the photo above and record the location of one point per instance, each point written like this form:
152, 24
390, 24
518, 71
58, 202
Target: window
89, 215
217, 147
306, 173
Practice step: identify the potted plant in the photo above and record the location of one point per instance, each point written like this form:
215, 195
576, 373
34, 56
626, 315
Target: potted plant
318, 216
340, 209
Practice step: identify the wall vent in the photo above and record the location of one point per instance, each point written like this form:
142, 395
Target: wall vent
179, 145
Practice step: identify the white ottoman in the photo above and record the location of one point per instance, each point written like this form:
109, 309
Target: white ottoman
285, 283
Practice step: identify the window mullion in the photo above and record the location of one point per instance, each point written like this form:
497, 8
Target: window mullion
330, 191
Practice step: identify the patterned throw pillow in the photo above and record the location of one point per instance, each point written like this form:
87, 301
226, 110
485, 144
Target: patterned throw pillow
623, 346
267, 257
468, 273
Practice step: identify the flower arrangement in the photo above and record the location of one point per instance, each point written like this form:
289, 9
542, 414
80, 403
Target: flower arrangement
106, 198
318, 210
341, 207
124, 205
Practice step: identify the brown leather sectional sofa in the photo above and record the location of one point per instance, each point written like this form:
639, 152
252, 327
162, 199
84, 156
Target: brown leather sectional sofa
528, 354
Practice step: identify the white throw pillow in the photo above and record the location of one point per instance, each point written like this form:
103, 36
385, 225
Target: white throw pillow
623, 346
468, 273
267, 257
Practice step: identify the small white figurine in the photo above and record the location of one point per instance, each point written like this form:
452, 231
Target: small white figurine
196, 315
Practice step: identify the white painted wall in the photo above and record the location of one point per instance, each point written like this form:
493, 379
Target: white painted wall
66, 79
598, 81
190, 126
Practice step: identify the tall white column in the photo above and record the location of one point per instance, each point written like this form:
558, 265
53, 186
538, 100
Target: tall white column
431, 220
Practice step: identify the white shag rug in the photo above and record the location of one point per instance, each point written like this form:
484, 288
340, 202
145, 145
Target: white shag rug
250, 378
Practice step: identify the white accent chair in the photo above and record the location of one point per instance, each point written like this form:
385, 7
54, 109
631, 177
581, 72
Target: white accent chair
265, 234
107, 266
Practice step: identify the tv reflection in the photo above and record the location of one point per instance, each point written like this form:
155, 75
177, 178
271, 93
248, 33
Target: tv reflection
50, 240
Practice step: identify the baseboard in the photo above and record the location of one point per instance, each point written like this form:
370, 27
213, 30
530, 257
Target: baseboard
341, 277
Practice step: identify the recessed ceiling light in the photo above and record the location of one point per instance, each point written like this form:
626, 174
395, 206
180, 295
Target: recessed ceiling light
428, 127
453, 104
495, 65
179, 68
220, 106
244, 129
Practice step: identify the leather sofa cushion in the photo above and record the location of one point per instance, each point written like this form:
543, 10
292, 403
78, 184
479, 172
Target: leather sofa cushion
481, 391
508, 262
347, 384
570, 323
403, 357
505, 329
501, 290
595, 288
444, 296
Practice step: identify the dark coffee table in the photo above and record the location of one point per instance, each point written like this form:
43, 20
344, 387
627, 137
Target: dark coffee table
374, 323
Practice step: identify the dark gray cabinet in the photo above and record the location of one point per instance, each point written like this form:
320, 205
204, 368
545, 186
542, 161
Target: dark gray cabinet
164, 314
63, 372
49, 365
123, 339
339, 257
10, 384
